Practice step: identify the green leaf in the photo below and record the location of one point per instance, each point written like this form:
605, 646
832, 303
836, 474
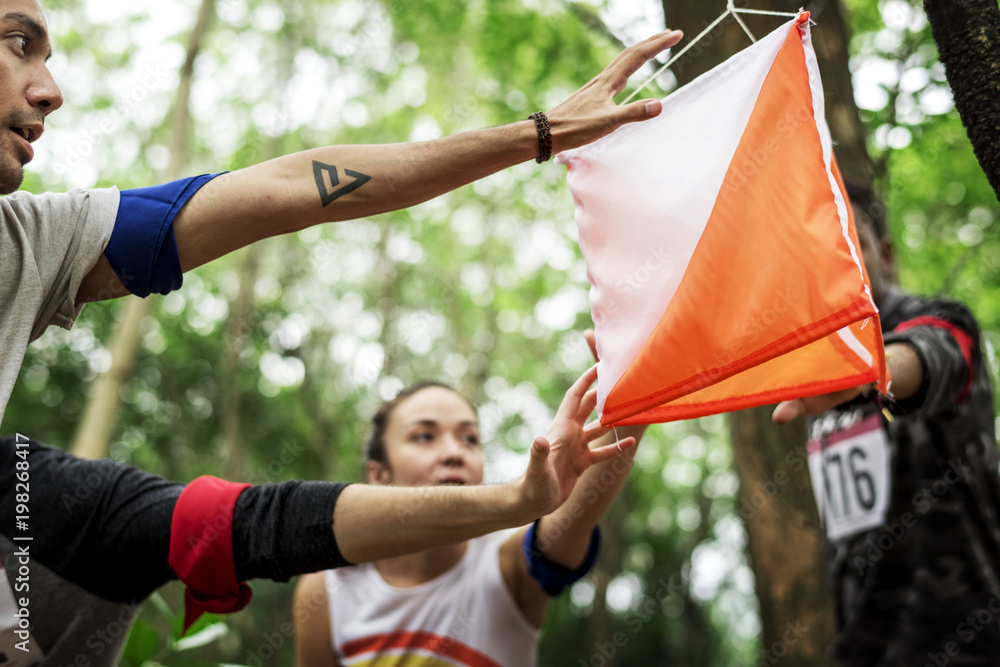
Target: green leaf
143, 643
204, 637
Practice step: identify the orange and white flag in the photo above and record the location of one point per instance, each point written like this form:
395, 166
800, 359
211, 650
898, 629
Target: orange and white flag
725, 267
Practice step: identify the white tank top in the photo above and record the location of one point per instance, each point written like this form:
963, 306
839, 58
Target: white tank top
465, 617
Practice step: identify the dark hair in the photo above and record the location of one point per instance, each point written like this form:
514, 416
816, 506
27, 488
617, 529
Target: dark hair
375, 447
872, 207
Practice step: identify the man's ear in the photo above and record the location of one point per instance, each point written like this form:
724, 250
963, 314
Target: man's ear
377, 473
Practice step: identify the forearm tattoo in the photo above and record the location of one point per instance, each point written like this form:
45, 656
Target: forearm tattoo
327, 181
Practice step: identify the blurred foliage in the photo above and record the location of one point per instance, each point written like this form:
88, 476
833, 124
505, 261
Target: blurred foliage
484, 288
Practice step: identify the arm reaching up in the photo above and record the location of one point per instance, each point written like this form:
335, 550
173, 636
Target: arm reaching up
335, 183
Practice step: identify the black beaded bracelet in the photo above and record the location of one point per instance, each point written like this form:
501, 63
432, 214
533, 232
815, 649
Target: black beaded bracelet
544, 136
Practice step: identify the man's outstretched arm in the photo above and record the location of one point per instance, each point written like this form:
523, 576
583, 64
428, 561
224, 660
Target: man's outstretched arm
347, 182
119, 521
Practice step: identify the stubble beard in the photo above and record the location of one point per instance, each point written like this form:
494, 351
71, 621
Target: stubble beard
11, 171
11, 178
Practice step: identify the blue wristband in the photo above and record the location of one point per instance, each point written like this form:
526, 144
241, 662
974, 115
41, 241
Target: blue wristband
553, 577
142, 250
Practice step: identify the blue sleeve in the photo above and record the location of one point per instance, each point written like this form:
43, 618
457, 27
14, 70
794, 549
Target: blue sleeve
553, 577
142, 249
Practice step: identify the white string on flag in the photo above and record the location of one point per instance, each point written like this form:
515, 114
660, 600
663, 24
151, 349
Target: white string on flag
745, 28
730, 9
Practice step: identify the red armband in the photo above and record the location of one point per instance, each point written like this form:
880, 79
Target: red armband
201, 548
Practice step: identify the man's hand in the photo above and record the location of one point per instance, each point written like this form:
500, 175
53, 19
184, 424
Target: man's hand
559, 458
812, 405
905, 368
591, 112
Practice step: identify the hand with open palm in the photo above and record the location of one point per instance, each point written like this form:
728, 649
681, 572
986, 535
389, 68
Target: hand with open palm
563, 454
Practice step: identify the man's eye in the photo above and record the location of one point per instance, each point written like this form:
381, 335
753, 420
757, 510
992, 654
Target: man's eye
472, 440
422, 437
22, 42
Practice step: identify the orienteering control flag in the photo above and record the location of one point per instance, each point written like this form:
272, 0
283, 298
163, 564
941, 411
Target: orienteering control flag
725, 267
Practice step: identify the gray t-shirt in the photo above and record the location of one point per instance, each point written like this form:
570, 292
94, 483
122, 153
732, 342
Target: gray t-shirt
48, 244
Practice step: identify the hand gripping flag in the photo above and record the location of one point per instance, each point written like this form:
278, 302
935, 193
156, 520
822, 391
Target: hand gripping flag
725, 268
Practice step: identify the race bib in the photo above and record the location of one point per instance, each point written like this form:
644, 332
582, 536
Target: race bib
13, 645
850, 477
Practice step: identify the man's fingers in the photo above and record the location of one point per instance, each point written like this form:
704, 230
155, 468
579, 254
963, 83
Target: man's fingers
594, 430
812, 405
587, 405
634, 57
643, 51
539, 450
610, 451
582, 384
788, 410
591, 339
641, 110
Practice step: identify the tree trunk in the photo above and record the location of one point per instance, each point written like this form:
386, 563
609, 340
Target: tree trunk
967, 33
93, 437
784, 540
777, 506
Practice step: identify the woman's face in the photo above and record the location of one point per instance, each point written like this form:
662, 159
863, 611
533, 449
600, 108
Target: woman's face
432, 438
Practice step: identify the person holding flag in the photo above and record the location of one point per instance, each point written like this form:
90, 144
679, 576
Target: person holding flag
907, 482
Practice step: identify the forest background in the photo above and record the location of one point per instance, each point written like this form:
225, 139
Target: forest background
267, 365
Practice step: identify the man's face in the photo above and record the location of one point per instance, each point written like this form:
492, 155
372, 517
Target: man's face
28, 93
877, 255
432, 438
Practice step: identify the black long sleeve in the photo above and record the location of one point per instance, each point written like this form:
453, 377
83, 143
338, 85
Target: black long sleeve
105, 526
282, 530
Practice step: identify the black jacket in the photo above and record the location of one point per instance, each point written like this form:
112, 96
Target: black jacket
924, 586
